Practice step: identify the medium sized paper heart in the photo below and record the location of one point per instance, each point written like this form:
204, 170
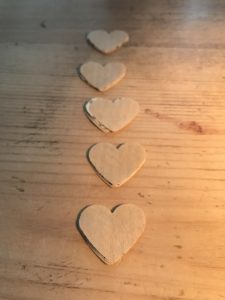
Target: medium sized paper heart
111, 234
107, 42
102, 77
116, 164
111, 116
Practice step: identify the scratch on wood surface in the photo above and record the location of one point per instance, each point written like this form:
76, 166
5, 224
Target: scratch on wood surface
193, 126
178, 246
43, 24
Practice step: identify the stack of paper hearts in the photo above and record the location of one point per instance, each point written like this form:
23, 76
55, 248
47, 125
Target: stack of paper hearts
116, 164
102, 77
107, 42
111, 116
111, 234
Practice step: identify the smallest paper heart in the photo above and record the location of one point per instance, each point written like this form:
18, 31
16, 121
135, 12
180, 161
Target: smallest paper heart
111, 116
102, 77
116, 164
111, 234
107, 42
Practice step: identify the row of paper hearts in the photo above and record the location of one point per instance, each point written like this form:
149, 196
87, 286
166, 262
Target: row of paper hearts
114, 164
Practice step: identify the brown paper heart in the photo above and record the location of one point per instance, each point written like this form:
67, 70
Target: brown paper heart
107, 42
116, 164
111, 234
111, 116
102, 77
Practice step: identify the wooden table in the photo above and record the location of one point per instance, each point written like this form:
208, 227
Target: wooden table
176, 70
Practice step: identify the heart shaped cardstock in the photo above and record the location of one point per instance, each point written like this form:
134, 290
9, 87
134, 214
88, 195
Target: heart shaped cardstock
116, 164
107, 42
111, 234
102, 77
111, 116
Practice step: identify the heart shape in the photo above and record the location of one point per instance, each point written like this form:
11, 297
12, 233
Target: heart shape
107, 42
102, 77
111, 116
116, 164
111, 234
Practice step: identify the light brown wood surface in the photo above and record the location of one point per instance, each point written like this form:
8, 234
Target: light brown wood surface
176, 71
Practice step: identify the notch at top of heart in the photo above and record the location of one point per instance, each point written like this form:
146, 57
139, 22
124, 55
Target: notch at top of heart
107, 42
102, 77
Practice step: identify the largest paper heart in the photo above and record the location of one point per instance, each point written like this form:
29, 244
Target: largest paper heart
111, 234
102, 77
116, 164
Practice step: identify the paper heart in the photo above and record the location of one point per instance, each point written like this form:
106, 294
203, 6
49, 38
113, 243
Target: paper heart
116, 164
111, 116
111, 234
102, 77
107, 42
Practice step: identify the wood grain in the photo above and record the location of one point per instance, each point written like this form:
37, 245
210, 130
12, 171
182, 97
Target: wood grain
176, 71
